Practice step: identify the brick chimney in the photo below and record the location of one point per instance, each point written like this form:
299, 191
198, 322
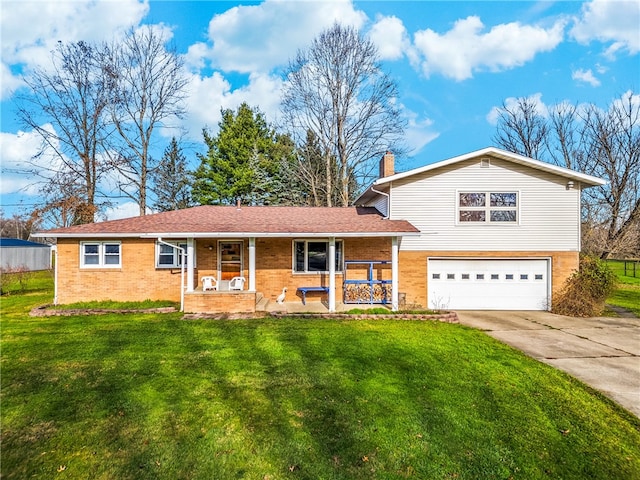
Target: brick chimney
386, 165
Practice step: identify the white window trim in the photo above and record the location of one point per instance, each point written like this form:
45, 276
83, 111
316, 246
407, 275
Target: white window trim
177, 254
306, 241
488, 208
101, 254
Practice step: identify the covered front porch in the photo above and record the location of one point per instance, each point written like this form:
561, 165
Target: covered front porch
245, 302
271, 267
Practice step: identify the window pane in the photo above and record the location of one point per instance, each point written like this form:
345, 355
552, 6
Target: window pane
112, 260
472, 199
338, 256
91, 249
165, 249
112, 249
503, 199
503, 215
165, 260
299, 252
472, 215
317, 255
91, 259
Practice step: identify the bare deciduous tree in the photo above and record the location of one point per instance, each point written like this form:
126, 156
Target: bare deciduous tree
603, 143
147, 88
66, 105
521, 129
336, 89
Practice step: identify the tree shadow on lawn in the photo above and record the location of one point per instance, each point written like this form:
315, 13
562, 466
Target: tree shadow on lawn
146, 398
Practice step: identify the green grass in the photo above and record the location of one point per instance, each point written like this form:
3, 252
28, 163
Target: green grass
112, 305
627, 292
152, 396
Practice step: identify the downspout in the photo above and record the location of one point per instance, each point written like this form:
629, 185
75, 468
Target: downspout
386, 217
184, 259
55, 274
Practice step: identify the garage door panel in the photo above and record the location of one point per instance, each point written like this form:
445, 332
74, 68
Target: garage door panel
506, 284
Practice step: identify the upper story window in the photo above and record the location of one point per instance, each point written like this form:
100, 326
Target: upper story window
312, 256
168, 256
100, 255
487, 207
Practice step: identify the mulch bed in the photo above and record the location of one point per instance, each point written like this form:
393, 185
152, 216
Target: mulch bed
46, 311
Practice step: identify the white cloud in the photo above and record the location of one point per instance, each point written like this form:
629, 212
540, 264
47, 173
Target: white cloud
19, 154
123, 210
609, 21
512, 102
419, 132
31, 29
390, 37
8, 82
585, 76
465, 49
257, 38
207, 95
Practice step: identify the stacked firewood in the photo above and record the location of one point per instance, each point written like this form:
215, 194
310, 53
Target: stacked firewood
362, 293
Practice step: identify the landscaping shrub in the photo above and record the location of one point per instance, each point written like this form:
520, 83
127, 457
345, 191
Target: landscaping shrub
586, 290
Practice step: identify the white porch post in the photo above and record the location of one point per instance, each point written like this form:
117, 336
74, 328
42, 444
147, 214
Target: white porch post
332, 274
394, 273
252, 264
190, 264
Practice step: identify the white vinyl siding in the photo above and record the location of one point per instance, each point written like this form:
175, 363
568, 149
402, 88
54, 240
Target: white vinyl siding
382, 204
548, 212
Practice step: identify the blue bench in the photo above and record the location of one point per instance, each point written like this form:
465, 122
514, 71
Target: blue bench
304, 291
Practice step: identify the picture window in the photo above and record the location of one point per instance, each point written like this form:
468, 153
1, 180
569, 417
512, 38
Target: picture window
488, 207
311, 256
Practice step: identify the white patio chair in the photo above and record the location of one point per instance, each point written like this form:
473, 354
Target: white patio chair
237, 283
209, 283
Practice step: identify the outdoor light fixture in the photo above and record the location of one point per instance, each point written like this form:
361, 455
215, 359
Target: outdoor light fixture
570, 184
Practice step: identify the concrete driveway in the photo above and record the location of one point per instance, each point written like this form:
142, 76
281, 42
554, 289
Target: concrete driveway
602, 352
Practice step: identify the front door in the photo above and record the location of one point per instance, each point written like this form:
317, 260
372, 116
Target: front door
229, 260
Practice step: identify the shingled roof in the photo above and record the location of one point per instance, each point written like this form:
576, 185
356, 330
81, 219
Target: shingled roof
208, 220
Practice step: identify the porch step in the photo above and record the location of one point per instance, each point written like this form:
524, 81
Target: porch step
261, 303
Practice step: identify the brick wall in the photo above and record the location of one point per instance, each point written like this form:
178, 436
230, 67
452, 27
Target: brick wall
136, 280
220, 302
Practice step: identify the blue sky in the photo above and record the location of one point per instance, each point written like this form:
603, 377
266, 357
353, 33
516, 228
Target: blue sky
455, 62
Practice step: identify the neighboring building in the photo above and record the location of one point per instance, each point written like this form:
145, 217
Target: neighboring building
15, 253
485, 230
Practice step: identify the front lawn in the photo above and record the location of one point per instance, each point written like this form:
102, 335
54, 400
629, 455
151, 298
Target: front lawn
141, 396
627, 292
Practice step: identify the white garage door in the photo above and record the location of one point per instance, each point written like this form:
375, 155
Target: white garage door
481, 284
